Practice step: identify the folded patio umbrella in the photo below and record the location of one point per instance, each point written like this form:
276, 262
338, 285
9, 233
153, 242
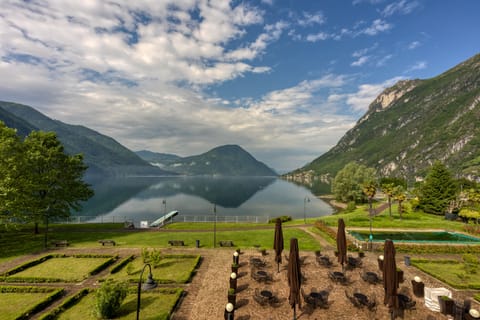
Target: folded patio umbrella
278, 242
341, 243
390, 278
294, 276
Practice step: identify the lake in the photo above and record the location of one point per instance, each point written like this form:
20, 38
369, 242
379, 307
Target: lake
199, 199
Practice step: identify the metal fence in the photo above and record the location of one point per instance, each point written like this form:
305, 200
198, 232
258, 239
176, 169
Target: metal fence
181, 218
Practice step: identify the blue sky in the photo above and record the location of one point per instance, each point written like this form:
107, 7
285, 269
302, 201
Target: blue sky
285, 79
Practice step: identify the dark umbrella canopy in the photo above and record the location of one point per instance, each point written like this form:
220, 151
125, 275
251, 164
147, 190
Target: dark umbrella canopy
390, 279
341, 243
294, 276
278, 242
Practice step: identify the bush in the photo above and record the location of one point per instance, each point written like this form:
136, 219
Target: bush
282, 218
470, 262
109, 298
350, 206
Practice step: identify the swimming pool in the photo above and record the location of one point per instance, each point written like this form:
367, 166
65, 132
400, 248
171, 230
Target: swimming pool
416, 236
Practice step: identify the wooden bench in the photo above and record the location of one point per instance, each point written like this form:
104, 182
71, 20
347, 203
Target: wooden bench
176, 242
107, 241
60, 243
226, 243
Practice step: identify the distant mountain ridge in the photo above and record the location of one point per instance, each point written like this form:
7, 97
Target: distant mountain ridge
106, 157
227, 160
409, 126
102, 154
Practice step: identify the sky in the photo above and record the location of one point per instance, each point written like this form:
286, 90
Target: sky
284, 79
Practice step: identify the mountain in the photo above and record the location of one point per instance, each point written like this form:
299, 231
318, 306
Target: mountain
409, 126
157, 159
227, 160
102, 154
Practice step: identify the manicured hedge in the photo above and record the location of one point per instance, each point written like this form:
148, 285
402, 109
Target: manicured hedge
122, 264
65, 305
55, 294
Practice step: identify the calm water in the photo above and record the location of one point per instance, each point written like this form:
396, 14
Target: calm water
147, 199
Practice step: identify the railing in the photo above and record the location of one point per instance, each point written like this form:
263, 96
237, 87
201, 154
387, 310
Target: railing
182, 218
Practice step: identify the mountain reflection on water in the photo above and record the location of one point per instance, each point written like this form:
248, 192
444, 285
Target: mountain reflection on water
148, 198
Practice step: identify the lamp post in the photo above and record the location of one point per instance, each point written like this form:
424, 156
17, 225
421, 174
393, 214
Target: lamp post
228, 313
164, 202
214, 224
305, 200
370, 214
148, 285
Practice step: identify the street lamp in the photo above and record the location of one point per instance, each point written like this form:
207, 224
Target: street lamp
214, 224
228, 313
307, 199
370, 214
164, 202
148, 285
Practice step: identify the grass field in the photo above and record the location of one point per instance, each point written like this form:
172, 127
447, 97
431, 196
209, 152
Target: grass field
155, 305
170, 269
13, 304
451, 272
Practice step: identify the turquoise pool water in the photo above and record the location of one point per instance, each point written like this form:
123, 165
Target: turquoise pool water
436, 237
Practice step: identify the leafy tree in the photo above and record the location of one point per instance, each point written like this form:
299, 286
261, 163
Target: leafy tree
52, 180
10, 170
394, 180
388, 189
399, 195
469, 214
38, 181
347, 184
438, 190
109, 298
369, 188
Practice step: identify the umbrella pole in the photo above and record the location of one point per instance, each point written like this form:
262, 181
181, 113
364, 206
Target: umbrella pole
294, 313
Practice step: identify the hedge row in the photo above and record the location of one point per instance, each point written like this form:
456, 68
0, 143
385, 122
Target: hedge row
11, 289
41, 305
412, 248
27, 265
103, 266
65, 305
122, 264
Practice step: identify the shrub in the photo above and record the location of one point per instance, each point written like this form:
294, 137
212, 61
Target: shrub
470, 262
109, 298
282, 218
350, 206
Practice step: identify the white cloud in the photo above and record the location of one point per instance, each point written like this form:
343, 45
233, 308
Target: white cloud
360, 61
383, 61
355, 2
400, 7
376, 27
366, 94
317, 37
414, 44
417, 66
309, 19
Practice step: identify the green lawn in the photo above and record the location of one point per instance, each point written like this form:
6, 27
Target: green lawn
170, 269
450, 271
410, 220
66, 269
13, 304
155, 305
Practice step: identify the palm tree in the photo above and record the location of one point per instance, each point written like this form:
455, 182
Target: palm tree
387, 188
400, 196
369, 188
